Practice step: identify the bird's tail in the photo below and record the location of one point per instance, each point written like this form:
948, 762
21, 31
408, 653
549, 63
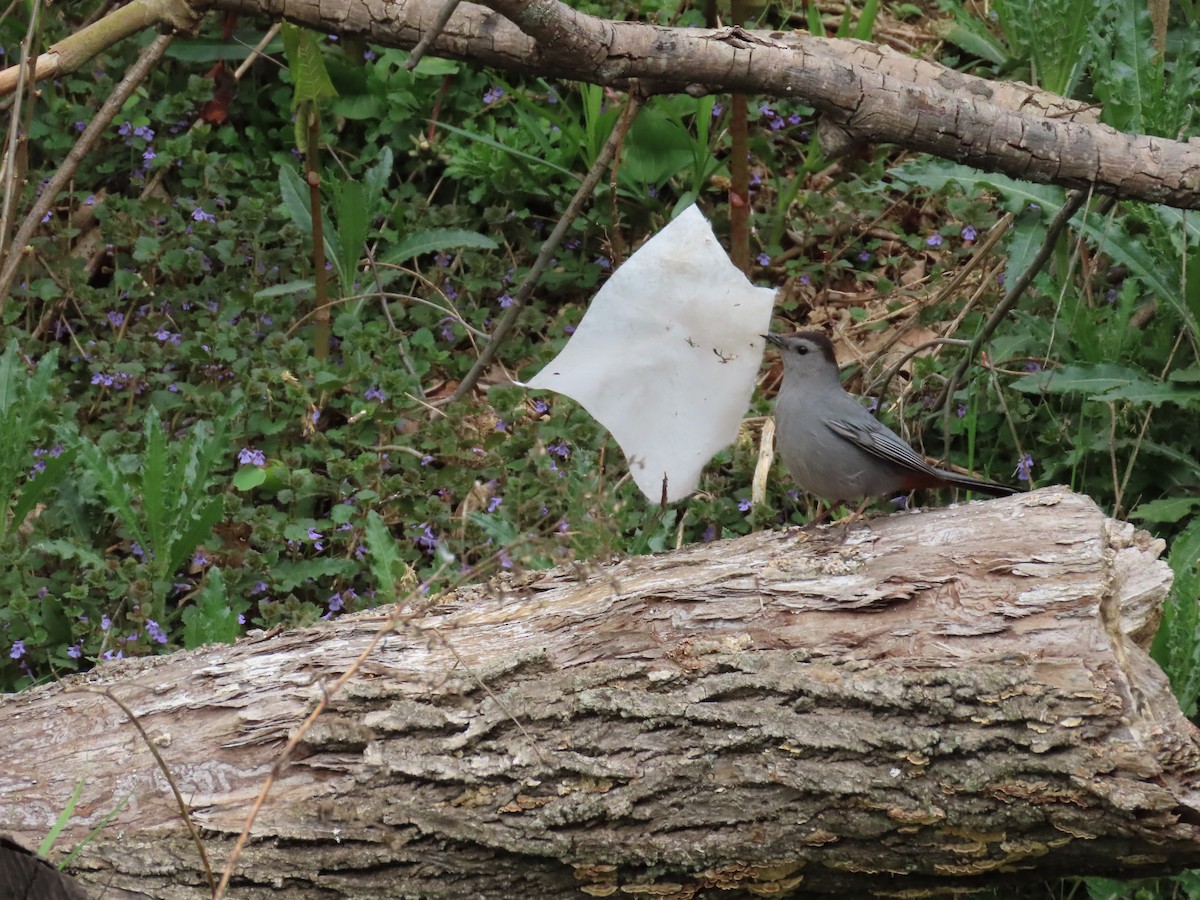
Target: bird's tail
991, 488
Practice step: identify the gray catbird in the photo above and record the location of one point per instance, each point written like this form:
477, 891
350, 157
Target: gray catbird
833, 447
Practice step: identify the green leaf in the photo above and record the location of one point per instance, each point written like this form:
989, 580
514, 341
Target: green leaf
383, 557
301, 286
375, 179
435, 240
289, 574
195, 532
211, 620
1166, 510
293, 190
967, 32
864, 29
1081, 379
518, 154
353, 223
310, 79
655, 149
64, 816
35, 488
248, 478
1176, 646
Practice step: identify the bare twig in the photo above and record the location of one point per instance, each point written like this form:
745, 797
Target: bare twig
549, 248
112, 105
432, 34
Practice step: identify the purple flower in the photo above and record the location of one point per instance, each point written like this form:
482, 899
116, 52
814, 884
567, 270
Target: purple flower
717, 110
805, 280
969, 233
506, 300
709, 535
873, 406
1032, 366
18, 650
155, 632
764, 259
199, 560
375, 393
604, 262
505, 560
260, 587
426, 540
1024, 467
934, 240
492, 95
864, 255
960, 410
494, 504
105, 622
75, 651
116, 319
248, 456
199, 215
744, 505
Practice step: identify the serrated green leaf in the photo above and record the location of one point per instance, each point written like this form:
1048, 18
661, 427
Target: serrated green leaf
1167, 510
35, 488
210, 620
195, 532
382, 556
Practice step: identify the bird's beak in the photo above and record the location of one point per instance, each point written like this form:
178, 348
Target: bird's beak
772, 339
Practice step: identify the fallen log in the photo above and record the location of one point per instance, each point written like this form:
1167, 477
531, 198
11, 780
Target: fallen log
928, 701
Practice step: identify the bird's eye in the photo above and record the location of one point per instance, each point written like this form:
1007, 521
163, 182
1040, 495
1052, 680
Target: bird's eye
802, 349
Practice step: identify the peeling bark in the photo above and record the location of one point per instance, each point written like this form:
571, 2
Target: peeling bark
937, 700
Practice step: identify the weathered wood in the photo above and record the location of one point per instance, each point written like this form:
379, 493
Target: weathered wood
931, 700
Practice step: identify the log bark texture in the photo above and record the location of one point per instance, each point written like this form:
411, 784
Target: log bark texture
932, 700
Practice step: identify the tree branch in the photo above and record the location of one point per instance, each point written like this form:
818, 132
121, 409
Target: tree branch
871, 93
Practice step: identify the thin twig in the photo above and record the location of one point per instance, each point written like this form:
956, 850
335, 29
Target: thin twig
17, 132
162, 765
432, 34
1070, 206
550, 246
112, 105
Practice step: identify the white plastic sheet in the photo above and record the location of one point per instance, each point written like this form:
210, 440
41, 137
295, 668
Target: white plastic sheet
667, 355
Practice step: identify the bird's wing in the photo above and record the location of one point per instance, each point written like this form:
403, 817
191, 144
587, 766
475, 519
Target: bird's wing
881, 442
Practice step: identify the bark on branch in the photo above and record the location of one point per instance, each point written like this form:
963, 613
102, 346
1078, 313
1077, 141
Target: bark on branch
870, 93
936, 699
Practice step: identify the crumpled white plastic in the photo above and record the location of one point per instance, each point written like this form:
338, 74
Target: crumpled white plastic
667, 355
